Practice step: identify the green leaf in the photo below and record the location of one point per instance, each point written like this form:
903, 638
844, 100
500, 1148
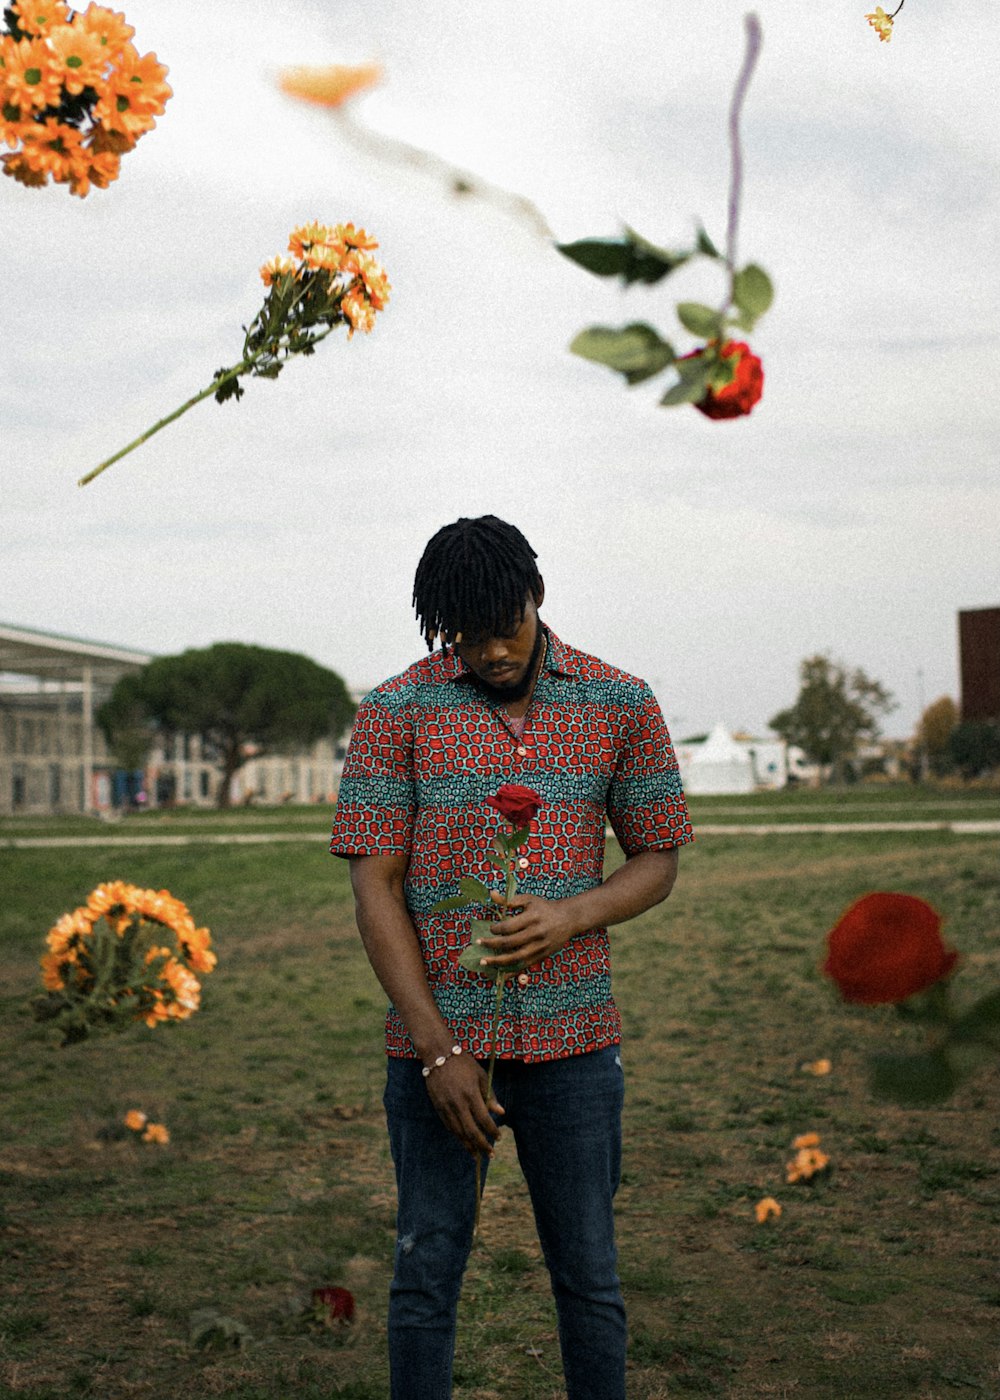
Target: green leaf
700, 320
631, 258
519, 837
649, 258
471, 956
914, 1081
752, 293
636, 351
705, 245
475, 890
684, 391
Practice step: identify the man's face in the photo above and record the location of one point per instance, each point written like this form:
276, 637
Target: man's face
504, 667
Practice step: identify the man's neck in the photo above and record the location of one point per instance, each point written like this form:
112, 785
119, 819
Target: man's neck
517, 709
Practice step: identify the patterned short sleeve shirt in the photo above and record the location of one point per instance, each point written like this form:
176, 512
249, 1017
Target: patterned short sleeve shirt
428, 748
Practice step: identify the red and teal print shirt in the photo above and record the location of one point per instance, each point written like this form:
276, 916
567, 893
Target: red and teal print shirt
428, 748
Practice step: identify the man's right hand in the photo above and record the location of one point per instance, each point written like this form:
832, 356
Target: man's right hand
458, 1092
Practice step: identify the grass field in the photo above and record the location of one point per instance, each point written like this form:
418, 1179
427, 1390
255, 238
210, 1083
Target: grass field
880, 1279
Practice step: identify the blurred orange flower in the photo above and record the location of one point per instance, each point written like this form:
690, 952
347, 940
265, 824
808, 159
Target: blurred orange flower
817, 1067
808, 1160
135, 1119
881, 23
767, 1209
156, 1132
331, 86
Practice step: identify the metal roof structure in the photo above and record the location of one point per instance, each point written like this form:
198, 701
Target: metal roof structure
47, 656
52, 667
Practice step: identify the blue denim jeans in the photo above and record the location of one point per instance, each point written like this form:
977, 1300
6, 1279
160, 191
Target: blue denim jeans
565, 1116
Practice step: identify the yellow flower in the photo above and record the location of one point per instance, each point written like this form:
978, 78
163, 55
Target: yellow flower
360, 315
156, 1132
372, 274
331, 86
278, 266
135, 1119
355, 238
302, 239
765, 1209
881, 23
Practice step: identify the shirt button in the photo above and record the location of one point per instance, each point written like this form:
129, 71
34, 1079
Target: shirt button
523, 979
521, 750
523, 862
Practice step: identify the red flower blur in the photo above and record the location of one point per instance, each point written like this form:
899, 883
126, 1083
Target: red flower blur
333, 1304
518, 804
737, 398
887, 947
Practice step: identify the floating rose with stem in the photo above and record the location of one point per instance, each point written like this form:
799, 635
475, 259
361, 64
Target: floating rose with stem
887, 949
519, 806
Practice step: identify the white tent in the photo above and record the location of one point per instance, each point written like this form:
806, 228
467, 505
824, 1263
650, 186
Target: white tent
720, 764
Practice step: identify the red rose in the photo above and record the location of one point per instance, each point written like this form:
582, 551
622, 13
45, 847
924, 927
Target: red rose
737, 397
333, 1304
887, 947
518, 804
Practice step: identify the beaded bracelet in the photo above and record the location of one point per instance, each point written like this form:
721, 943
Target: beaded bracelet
441, 1060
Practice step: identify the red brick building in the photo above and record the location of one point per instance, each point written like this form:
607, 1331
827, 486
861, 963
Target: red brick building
979, 661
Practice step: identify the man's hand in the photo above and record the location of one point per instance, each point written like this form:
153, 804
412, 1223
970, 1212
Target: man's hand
541, 927
537, 929
458, 1092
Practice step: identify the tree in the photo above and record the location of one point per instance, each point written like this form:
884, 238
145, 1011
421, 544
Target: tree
243, 700
934, 733
836, 709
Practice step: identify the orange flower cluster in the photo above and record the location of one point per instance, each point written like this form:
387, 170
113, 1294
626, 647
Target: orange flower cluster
344, 253
808, 1161
137, 1122
75, 94
113, 949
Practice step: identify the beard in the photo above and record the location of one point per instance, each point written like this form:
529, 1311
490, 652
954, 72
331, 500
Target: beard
516, 690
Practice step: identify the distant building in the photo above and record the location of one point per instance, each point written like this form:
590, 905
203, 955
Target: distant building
979, 663
722, 762
54, 758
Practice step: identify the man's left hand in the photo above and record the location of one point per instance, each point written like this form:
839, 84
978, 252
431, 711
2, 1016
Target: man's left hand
536, 929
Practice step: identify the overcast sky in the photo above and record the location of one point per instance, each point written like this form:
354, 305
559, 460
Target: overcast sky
855, 512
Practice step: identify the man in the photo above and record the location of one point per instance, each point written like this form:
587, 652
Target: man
504, 701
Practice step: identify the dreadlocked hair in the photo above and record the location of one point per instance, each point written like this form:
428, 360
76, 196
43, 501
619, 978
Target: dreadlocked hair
474, 577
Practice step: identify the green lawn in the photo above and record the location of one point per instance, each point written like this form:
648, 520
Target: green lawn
880, 1279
